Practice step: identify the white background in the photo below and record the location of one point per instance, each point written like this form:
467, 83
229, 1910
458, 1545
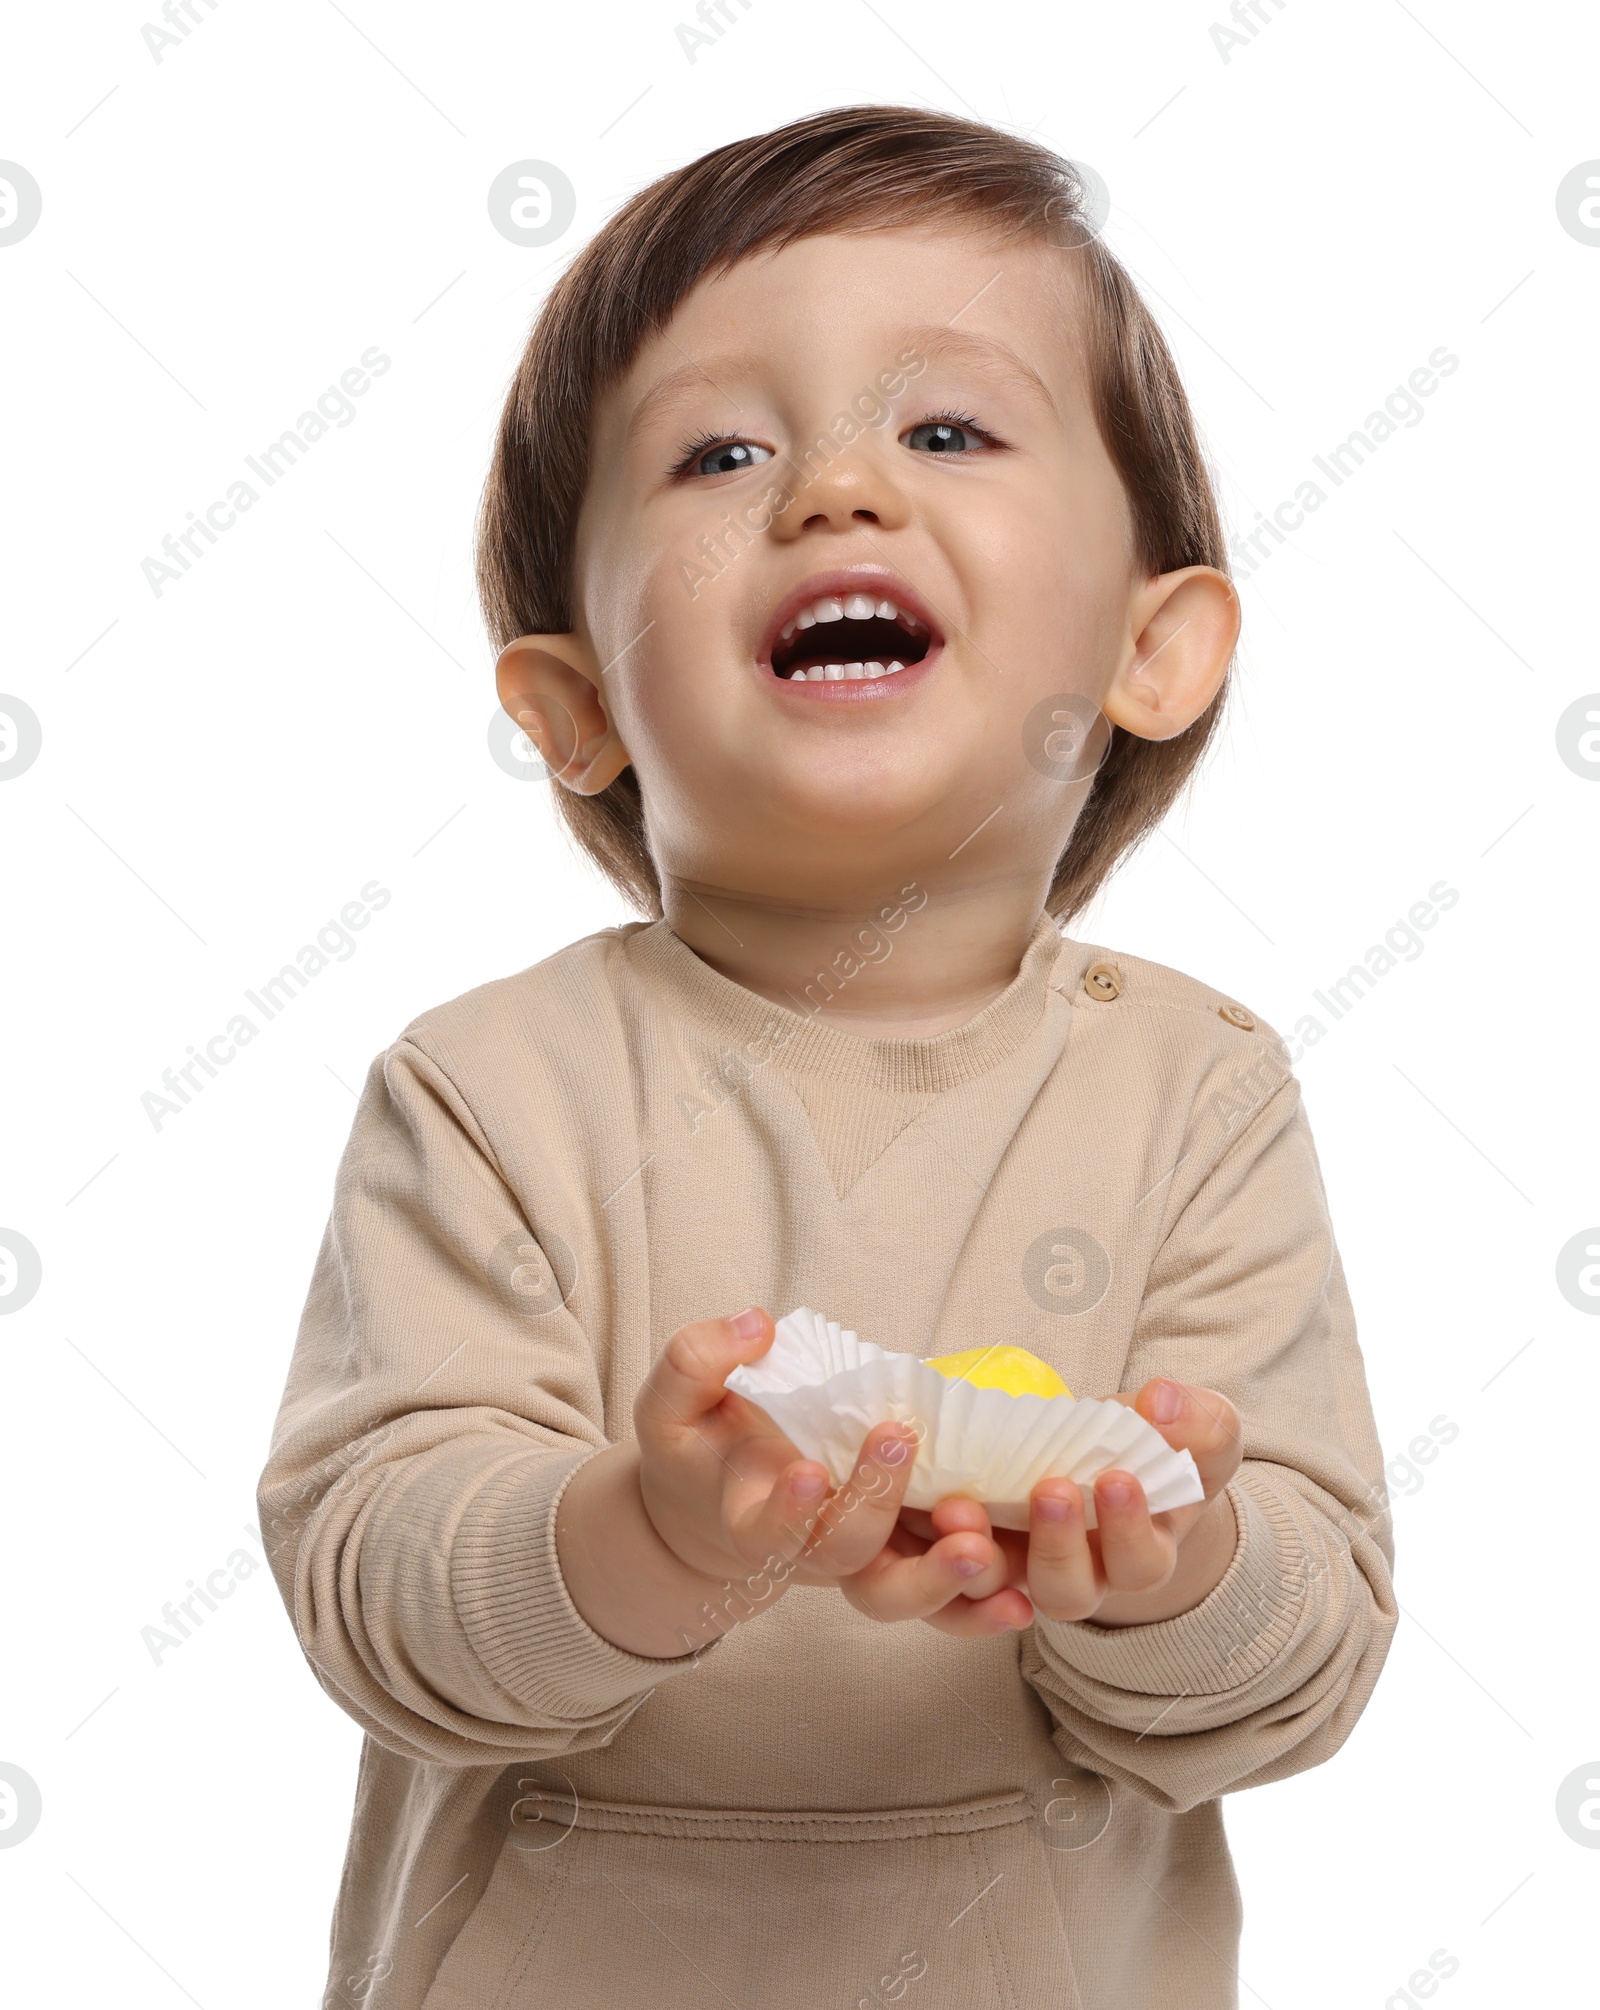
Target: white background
225, 765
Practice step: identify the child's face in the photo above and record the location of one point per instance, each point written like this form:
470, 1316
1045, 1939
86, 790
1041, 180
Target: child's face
974, 493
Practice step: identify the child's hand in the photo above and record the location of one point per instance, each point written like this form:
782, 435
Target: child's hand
950, 1570
1130, 1570
728, 1494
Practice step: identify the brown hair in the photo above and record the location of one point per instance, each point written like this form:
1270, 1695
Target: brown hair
862, 167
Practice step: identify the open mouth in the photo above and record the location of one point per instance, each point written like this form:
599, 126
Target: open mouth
846, 637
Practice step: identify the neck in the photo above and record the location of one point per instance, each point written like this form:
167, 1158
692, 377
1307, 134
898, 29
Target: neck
909, 965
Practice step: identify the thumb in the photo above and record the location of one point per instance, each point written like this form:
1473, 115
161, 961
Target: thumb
688, 1377
1199, 1421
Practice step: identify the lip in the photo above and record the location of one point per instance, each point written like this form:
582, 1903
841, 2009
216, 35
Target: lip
883, 585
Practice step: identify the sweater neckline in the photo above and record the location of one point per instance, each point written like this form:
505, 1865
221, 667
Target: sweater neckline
800, 1039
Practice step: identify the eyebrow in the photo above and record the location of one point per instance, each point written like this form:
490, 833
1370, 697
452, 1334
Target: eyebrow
689, 375
979, 352
938, 343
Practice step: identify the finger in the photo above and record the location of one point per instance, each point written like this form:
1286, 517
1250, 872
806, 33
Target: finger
891, 1587
959, 1511
855, 1523
778, 1525
686, 1379
959, 1514
1199, 1421
1135, 1555
1013, 1546
1063, 1577
901, 1541
978, 1585
953, 1512
1006, 1612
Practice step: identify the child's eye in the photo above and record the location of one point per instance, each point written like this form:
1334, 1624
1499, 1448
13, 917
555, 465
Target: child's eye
721, 456
950, 433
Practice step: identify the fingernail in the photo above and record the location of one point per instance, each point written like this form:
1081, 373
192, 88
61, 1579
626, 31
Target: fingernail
894, 1451
1051, 1507
810, 1486
747, 1324
966, 1566
1167, 1402
1115, 1493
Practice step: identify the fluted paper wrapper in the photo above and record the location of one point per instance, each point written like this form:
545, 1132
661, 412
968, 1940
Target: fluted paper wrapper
825, 1388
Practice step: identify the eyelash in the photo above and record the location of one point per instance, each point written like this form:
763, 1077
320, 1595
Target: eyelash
683, 468
961, 419
703, 445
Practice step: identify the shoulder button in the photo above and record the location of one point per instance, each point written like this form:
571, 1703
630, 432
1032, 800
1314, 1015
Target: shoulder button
1103, 981
1236, 1015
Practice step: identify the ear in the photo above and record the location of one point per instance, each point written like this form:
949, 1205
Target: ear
1182, 630
551, 686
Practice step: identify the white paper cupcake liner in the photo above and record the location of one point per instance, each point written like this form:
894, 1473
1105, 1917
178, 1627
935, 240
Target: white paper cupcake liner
825, 1388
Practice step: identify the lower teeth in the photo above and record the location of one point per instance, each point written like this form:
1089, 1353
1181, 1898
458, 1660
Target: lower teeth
834, 673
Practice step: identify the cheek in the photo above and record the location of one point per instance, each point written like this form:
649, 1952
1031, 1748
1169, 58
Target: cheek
659, 613
1052, 566
614, 574
651, 587
681, 737
652, 702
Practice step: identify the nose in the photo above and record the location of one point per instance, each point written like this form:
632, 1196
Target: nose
843, 488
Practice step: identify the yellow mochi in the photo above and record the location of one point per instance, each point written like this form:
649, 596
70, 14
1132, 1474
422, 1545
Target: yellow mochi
1013, 1369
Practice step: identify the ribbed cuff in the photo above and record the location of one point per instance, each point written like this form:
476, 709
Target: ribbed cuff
1226, 1640
515, 1608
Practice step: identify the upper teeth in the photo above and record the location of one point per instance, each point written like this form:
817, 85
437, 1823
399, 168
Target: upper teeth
857, 606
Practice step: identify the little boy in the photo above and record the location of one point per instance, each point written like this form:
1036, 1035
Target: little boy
858, 576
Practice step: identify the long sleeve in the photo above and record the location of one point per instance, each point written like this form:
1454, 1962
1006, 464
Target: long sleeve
440, 1396
1268, 1674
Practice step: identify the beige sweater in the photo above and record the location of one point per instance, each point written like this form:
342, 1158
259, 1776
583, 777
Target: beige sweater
549, 1175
